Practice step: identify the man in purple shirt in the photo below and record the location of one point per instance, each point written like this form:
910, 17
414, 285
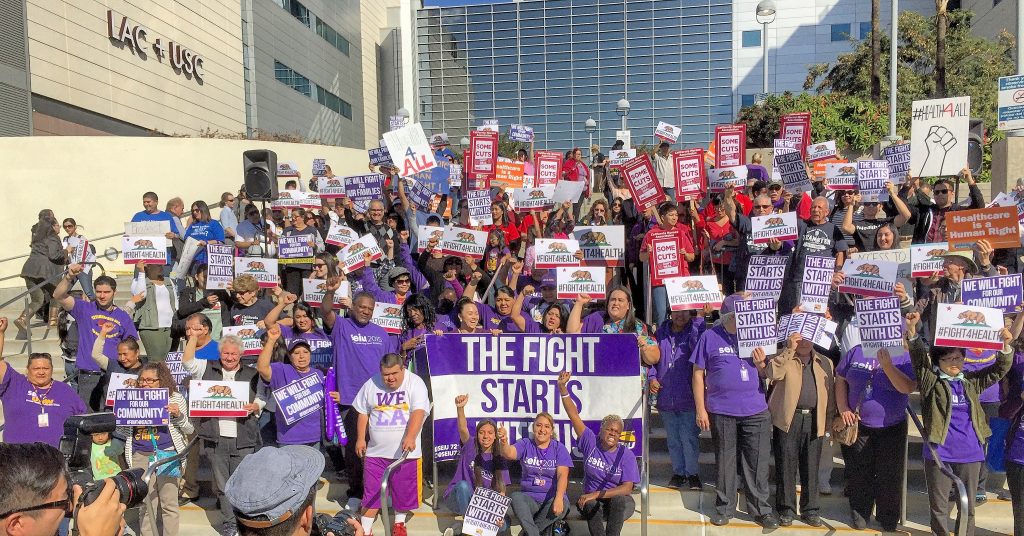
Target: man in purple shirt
729, 395
88, 316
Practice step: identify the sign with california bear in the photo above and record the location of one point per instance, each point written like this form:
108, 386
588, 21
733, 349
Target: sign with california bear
353, 256
572, 281
869, 277
388, 316
463, 242
217, 399
968, 326
841, 176
263, 270
777, 226
602, 245
251, 344
926, 259
148, 249
554, 252
690, 293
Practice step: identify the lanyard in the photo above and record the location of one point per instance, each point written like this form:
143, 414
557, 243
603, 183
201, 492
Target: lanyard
35, 391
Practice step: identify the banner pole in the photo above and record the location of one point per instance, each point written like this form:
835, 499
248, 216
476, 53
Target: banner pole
645, 476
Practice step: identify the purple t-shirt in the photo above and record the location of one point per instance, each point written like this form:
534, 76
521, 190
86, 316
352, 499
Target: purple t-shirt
976, 359
88, 318
307, 429
605, 469
143, 437
1015, 453
464, 472
319, 344
674, 370
882, 405
540, 467
732, 386
357, 353
23, 404
962, 445
492, 319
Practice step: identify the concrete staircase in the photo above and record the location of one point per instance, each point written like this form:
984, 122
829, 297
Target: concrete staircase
671, 512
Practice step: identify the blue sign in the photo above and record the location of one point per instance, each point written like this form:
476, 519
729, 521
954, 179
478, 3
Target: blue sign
380, 155
520, 133
301, 398
1002, 292
141, 407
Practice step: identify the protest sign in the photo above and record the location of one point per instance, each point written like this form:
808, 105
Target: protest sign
188, 254
692, 293
796, 127
720, 178
667, 132
938, 136
756, 326
339, 234
379, 156
869, 277
80, 249
576, 280
871, 178
263, 269
778, 226
1001, 292
311, 201
553, 252
463, 242
251, 344
547, 167
818, 168
730, 145
998, 225
602, 245
765, 276
294, 249
841, 176
568, 191
813, 327
148, 249
880, 324
287, 170
420, 194
486, 512
288, 199
479, 202
220, 268
817, 283
331, 187
362, 189
426, 233
625, 137
793, 172
536, 199
319, 167
490, 125
301, 398
409, 149
313, 291
509, 378
897, 157
147, 228
141, 407
926, 259
968, 326
665, 259
439, 140
821, 151
353, 256
177, 369
118, 381
690, 174
454, 175
520, 133
207, 398
483, 153
900, 257
643, 183
389, 317
619, 157
508, 174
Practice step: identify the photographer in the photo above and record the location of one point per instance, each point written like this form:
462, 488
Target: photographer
35, 496
273, 491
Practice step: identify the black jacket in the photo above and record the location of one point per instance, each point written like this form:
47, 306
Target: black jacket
248, 427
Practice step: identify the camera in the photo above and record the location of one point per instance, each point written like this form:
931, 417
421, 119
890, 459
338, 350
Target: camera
76, 446
324, 524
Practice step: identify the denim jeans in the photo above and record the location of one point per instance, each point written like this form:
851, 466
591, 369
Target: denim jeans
659, 304
683, 441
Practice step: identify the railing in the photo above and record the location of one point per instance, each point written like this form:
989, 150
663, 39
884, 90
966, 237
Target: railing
645, 462
961, 489
385, 499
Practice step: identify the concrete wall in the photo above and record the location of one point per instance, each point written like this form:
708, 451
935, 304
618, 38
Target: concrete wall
74, 61
99, 180
989, 20
375, 75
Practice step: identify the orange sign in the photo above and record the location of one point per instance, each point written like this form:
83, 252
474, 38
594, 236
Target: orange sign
508, 174
819, 166
998, 225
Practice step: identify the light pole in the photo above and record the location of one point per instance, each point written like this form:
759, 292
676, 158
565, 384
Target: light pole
622, 108
765, 15
464, 142
404, 114
591, 126
893, 75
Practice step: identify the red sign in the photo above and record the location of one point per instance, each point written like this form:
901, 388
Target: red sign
547, 166
691, 176
665, 260
797, 128
483, 153
642, 182
730, 145
476, 182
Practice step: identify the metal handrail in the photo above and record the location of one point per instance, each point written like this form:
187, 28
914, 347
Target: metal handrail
385, 500
16, 257
961, 489
645, 463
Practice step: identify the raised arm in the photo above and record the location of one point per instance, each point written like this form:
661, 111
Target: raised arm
60, 294
97, 347
575, 322
848, 227
903, 213
283, 300
460, 409
263, 363
896, 376
507, 451
568, 404
517, 308
405, 256
327, 305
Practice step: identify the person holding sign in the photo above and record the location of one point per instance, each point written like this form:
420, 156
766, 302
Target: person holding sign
468, 315
945, 288
931, 222
151, 212
818, 237
762, 206
301, 325
72, 242
609, 469
953, 418
128, 360
153, 305
305, 430
148, 444
668, 249
392, 406
403, 280
295, 272
480, 464
203, 229
730, 400
554, 320
800, 403
34, 406
864, 227
618, 317
545, 461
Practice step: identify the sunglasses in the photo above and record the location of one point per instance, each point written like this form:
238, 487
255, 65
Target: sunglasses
64, 505
319, 265
943, 192
775, 187
196, 210
763, 206
403, 281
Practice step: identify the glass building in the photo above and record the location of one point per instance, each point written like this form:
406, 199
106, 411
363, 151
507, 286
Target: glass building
553, 64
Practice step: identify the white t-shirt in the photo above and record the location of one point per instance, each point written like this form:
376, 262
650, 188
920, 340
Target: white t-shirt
389, 413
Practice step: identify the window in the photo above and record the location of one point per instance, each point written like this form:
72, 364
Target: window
297, 10
313, 22
865, 30
747, 100
331, 36
292, 79
841, 32
333, 102
751, 38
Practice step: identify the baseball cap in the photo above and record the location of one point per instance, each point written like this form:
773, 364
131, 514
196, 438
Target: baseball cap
729, 303
270, 485
299, 342
548, 280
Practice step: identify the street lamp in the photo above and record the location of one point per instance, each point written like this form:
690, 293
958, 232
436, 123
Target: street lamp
464, 142
622, 108
404, 114
765, 15
591, 127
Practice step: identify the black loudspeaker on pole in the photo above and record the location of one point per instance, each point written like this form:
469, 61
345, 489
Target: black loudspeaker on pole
975, 145
260, 168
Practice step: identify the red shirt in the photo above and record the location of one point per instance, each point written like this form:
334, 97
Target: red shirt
671, 262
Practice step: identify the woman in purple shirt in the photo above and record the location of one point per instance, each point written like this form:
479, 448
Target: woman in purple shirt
420, 319
301, 325
305, 430
468, 316
541, 500
618, 317
553, 321
480, 465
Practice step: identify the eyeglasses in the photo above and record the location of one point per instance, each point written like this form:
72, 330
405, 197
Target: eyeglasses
849, 192
763, 206
942, 192
403, 281
196, 210
775, 187
63, 505
319, 265
148, 381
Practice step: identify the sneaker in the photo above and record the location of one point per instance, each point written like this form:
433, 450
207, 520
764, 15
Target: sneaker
676, 481
398, 529
718, 520
980, 499
694, 482
857, 521
449, 532
353, 504
812, 519
185, 501
785, 520
767, 521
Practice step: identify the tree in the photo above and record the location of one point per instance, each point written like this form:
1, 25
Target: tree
941, 16
876, 54
853, 122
